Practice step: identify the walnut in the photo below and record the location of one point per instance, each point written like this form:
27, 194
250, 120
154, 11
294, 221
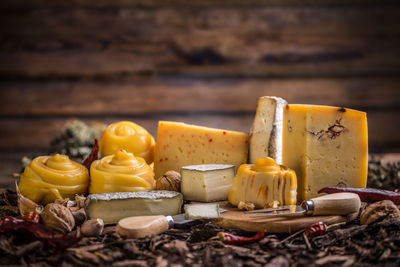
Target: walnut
384, 209
171, 181
58, 218
246, 206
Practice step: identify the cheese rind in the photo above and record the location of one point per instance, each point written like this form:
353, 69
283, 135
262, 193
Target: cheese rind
179, 144
111, 207
208, 182
326, 146
266, 133
263, 183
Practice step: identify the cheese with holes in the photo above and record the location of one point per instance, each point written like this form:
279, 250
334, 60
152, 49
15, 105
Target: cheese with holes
326, 146
266, 133
112, 207
179, 144
263, 184
208, 182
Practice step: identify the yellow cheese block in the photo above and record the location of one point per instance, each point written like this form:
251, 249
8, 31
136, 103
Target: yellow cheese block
326, 146
263, 183
179, 144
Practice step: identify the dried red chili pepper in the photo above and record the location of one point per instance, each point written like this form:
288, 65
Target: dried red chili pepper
94, 155
31, 217
39, 232
316, 229
228, 238
368, 195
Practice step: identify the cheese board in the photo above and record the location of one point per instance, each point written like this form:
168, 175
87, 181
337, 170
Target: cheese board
234, 218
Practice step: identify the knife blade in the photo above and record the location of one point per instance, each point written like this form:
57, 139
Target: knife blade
333, 204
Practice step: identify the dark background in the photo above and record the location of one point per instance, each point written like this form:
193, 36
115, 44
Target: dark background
202, 62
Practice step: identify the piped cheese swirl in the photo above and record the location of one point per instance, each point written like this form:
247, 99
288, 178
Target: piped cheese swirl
48, 178
263, 183
130, 137
122, 172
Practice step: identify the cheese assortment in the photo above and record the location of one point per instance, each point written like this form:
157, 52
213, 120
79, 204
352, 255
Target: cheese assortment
48, 178
128, 136
180, 144
263, 184
319, 146
208, 182
112, 207
120, 172
266, 133
326, 146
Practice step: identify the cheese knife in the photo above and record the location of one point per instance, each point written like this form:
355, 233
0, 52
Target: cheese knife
143, 226
332, 204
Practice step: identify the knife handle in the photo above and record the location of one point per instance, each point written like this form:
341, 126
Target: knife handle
335, 204
142, 226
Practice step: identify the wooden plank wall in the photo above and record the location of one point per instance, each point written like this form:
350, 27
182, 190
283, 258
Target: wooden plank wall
203, 62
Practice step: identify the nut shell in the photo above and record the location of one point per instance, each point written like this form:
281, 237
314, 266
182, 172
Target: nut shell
58, 218
384, 209
170, 181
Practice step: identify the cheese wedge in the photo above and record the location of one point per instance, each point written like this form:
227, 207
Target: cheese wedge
202, 211
179, 144
208, 182
264, 184
112, 207
326, 146
266, 133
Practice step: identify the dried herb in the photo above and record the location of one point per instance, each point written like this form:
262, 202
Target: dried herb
76, 139
383, 174
368, 195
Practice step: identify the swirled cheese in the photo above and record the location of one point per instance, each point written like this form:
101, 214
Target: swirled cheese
263, 183
121, 172
48, 178
127, 136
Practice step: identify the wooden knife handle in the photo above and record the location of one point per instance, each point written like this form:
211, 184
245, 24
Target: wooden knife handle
336, 204
142, 226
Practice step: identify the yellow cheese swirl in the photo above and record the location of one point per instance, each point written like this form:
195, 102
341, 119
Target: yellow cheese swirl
121, 172
263, 183
130, 137
48, 178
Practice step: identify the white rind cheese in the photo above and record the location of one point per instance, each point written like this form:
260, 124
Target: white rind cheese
112, 207
207, 182
266, 133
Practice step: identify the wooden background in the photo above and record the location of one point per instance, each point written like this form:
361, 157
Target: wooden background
202, 62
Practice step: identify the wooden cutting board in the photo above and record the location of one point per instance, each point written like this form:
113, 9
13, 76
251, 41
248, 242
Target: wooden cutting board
236, 219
